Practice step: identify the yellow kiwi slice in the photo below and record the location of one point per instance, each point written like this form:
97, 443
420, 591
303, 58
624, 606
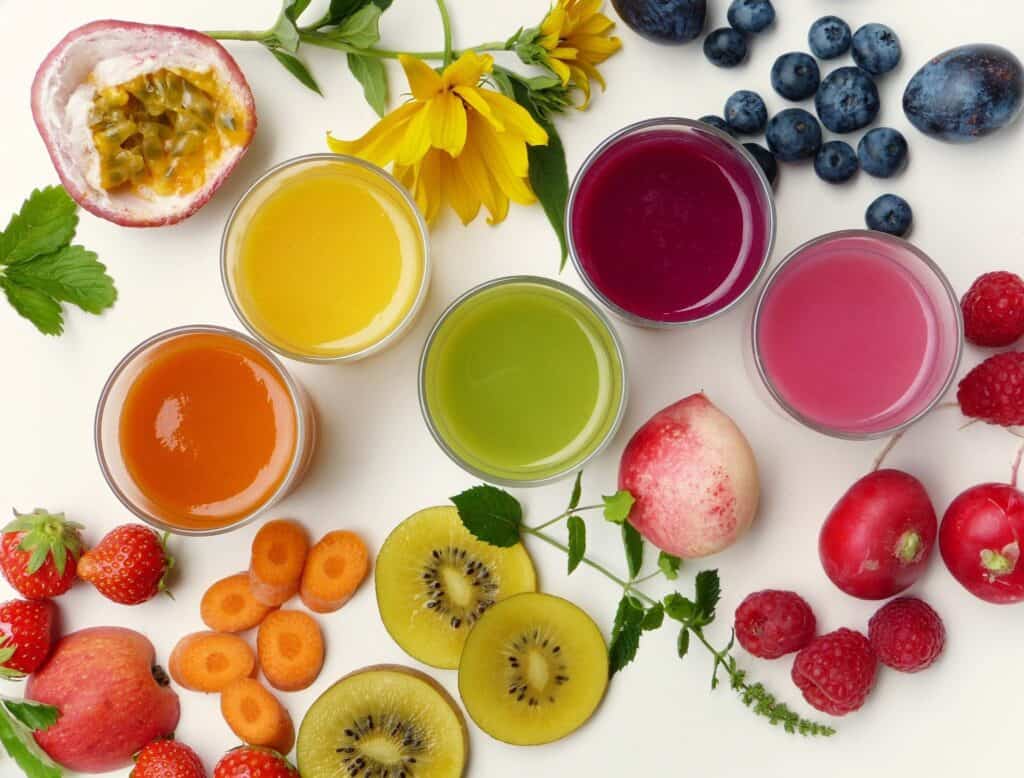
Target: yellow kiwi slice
533, 670
435, 580
385, 721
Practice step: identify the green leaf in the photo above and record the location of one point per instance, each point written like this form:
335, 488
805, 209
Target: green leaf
625, 634
679, 608
654, 617
38, 307
361, 29
683, 642
491, 514
503, 81
618, 506
709, 591
34, 715
633, 543
577, 541
16, 738
284, 30
293, 9
297, 68
577, 492
70, 274
371, 73
669, 565
46, 222
342, 9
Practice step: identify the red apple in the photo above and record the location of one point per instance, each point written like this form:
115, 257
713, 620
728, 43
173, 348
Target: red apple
112, 698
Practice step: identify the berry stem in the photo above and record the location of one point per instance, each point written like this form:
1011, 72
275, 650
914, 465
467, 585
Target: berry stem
1015, 469
891, 443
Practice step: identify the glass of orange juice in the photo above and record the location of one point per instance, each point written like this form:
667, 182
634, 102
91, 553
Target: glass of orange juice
199, 429
326, 258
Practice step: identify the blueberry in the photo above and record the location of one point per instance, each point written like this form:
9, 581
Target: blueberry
664, 21
751, 15
795, 76
718, 123
836, 162
830, 37
847, 100
882, 152
746, 113
966, 93
794, 134
876, 48
891, 214
765, 159
725, 47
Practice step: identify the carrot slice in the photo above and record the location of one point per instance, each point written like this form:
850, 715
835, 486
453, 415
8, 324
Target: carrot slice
229, 605
291, 649
210, 661
278, 555
257, 716
335, 567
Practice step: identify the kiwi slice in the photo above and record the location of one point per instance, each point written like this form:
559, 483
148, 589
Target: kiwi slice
435, 580
533, 670
385, 721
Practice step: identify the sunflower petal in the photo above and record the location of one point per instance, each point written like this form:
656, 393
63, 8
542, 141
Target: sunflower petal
446, 116
423, 81
426, 184
582, 81
595, 25
553, 23
499, 152
595, 48
416, 139
516, 119
459, 194
473, 174
379, 145
560, 69
468, 69
473, 97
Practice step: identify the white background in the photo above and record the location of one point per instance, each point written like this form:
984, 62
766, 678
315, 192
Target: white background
378, 464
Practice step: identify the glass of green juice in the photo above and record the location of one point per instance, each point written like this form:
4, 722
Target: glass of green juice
522, 381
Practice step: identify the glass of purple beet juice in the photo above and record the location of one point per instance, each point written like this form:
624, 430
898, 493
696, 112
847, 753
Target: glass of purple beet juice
670, 222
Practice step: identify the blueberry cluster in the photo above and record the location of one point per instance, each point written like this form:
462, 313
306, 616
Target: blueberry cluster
727, 47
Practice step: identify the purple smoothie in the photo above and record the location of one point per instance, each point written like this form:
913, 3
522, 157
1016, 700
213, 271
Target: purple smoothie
671, 223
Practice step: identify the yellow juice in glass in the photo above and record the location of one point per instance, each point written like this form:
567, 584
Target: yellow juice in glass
325, 258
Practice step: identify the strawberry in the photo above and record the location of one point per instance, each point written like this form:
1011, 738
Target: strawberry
26, 636
129, 565
34, 551
167, 759
253, 762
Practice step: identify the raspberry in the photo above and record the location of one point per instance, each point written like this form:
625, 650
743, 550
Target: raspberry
906, 634
994, 390
772, 623
836, 671
994, 310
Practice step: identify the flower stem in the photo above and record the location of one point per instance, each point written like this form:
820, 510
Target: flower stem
566, 515
446, 22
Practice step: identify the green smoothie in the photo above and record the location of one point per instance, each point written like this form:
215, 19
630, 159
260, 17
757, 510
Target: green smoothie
522, 380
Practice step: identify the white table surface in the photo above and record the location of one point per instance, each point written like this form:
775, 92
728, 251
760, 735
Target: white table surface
377, 463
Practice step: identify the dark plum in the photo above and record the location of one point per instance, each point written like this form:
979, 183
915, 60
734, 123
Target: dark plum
725, 47
765, 159
795, 76
793, 135
836, 162
966, 93
751, 16
876, 48
847, 100
830, 37
882, 152
718, 123
890, 213
663, 21
746, 113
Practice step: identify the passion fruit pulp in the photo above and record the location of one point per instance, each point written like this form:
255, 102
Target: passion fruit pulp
143, 122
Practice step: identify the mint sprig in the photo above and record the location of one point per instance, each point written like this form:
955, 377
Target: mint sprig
18, 720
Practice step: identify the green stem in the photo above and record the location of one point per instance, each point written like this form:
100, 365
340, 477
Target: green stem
446, 22
238, 35
566, 515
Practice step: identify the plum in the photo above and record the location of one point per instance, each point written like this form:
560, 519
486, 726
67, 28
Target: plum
966, 93
664, 21
694, 478
878, 538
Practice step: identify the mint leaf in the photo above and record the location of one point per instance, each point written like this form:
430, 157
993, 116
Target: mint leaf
625, 634
669, 565
297, 68
633, 543
38, 307
34, 715
654, 617
680, 608
490, 514
577, 492
577, 542
46, 222
618, 506
709, 591
16, 738
370, 72
683, 642
70, 274
361, 29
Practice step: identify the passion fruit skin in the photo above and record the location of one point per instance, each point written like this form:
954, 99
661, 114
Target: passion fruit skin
70, 64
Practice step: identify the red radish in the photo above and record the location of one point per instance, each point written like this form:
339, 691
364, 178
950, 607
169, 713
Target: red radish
878, 538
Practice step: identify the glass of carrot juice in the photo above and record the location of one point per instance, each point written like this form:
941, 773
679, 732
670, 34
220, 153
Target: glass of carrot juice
199, 429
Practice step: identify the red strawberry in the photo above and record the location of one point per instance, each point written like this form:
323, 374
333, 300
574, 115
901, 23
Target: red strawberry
129, 565
994, 390
167, 759
34, 551
26, 636
994, 309
253, 762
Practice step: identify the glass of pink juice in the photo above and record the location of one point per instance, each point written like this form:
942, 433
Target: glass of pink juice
857, 334
670, 222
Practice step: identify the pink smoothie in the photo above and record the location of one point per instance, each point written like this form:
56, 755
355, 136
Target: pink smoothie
857, 334
671, 223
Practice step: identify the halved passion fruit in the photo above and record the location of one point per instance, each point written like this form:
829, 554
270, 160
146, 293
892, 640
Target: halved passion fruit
143, 122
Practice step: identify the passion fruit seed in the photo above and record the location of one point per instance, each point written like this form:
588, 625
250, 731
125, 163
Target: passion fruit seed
162, 129
384, 747
536, 668
457, 586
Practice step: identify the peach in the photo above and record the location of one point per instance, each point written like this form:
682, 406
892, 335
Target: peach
694, 478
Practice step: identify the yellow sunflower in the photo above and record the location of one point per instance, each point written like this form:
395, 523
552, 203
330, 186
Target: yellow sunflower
456, 142
577, 38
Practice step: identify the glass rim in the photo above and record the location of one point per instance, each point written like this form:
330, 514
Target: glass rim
294, 393
421, 227
928, 263
676, 123
620, 411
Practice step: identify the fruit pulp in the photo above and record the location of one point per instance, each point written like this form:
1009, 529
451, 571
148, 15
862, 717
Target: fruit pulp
328, 258
671, 225
207, 431
523, 381
856, 334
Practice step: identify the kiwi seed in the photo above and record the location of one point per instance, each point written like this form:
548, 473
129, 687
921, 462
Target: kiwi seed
457, 586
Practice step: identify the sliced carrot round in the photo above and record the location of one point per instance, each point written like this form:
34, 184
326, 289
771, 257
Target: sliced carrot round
335, 567
257, 716
210, 661
278, 556
291, 649
229, 605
